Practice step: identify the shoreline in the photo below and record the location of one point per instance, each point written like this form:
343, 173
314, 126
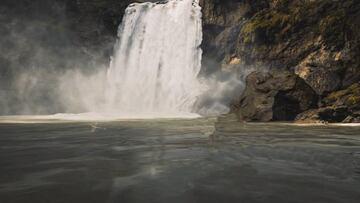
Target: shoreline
85, 118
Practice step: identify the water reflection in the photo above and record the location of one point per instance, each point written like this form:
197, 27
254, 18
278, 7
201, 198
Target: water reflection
178, 161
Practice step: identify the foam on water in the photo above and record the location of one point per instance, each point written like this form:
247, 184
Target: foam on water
89, 117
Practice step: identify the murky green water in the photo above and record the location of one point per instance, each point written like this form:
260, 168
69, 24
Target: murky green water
178, 161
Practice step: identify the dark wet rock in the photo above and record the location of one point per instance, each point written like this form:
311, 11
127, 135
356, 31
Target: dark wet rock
326, 114
95, 22
222, 22
274, 96
354, 118
339, 106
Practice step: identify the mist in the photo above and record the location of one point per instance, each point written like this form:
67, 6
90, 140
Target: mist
44, 69
38, 51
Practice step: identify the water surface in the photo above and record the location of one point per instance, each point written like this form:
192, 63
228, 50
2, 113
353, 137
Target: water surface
192, 160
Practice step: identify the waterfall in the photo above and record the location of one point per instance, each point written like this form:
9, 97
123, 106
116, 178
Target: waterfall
156, 60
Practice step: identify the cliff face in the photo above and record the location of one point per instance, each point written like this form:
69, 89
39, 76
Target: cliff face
315, 41
95, 22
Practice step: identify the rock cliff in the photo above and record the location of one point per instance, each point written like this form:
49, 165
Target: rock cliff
316, 42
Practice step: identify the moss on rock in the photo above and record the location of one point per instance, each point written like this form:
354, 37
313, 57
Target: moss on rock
349, 96
264, 21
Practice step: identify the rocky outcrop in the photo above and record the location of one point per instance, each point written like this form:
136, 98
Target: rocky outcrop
319, 41
222, 20
274, 96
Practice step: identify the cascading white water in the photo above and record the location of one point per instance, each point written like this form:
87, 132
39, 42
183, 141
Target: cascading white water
157, 60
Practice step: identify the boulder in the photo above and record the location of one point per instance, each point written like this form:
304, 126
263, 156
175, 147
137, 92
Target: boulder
321, 69
274, 96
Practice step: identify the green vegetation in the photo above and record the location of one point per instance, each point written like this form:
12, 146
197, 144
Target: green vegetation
264, 20
277, 23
